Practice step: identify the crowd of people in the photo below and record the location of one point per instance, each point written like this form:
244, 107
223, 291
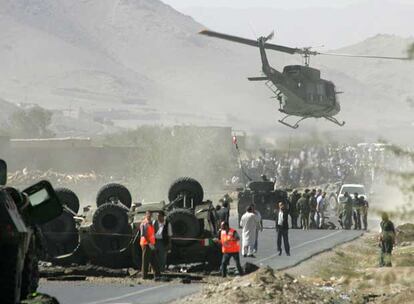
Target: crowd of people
314, 165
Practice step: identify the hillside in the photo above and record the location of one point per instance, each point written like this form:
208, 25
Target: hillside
133, 62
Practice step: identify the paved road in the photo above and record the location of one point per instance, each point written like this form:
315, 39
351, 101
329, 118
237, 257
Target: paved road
304, 244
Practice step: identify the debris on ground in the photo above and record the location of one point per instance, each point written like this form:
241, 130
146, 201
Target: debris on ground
95, 273
405, 234
263, 286
82, 270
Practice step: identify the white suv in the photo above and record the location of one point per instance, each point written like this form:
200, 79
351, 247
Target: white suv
351, 189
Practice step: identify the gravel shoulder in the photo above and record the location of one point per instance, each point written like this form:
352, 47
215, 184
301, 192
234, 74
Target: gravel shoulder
348, 273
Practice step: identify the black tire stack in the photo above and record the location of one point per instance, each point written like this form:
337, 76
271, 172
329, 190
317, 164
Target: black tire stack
61, 236
184, 223
110, 228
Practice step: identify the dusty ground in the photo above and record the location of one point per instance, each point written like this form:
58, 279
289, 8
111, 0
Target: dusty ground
347, 274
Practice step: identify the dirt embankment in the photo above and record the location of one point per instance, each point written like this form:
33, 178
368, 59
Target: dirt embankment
347, 274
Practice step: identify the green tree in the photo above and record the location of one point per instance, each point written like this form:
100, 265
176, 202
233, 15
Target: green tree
411, 51
31, 123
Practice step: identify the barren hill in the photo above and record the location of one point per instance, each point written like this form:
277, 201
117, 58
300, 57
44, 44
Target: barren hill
140, 61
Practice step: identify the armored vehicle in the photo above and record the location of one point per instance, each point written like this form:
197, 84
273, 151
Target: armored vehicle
20, 213
105, 234
194, 225
263, 195
109, 234
60, 235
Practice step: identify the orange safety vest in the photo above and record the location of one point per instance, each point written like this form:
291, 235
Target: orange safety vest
150, 234
229, 244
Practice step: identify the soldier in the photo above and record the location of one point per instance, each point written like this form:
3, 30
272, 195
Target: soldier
357, 211
293, 210
387, 240
347, 211
364, 212
312, 207
304, 209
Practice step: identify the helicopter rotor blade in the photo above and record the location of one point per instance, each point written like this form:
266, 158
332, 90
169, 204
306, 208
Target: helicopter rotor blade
270, 36
251, 42
363, 56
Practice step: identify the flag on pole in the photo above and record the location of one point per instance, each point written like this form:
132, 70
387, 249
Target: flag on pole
235, 141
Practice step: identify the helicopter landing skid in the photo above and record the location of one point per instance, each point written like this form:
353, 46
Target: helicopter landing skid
335, 121
296, 125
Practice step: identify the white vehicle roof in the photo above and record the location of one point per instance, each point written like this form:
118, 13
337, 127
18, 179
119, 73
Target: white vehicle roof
353, 185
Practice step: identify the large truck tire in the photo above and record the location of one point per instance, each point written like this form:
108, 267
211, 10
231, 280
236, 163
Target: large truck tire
214, 258
60, 235
68, 198
186, 186
112, 193
10, 276
110, 228
184, 225
30, 274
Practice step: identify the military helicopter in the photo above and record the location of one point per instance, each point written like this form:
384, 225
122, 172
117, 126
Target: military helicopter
299, 89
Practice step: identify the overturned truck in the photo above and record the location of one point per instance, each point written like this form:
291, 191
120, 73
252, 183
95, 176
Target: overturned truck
263, 195
108, 235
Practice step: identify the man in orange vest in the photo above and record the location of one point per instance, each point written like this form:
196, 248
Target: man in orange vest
230, 247
147, 242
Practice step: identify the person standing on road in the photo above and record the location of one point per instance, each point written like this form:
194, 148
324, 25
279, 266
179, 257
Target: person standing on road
225, 206
364, 212
230, 247
312, 207
249, 222
347, 211
163, 233
282, 228
260, 228
387, 240
223, 213
303, 204
358, 204
147, 242
320, 208
293, 210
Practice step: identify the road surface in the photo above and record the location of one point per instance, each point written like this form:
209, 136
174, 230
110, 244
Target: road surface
304, 244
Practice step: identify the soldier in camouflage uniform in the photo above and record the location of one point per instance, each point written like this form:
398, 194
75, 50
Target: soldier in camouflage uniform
293, 210
312, 207
357, 211
387, 240
347, 211
364, 212
304, 210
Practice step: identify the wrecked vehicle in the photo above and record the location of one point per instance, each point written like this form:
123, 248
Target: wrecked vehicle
108, 235
263, 195
194, 225
20, 215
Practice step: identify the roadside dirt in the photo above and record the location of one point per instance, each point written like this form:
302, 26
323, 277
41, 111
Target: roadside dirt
347, 274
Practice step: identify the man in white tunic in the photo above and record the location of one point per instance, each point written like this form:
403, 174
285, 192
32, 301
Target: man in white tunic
250, 223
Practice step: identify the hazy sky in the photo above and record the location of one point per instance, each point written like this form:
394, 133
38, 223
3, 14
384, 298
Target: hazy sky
287, 4
332, 23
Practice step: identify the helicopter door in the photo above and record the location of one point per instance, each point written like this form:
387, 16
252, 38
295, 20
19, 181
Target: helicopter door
321, 94
311, 93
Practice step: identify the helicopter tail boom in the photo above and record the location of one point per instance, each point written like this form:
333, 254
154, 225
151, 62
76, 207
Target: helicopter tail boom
258, 78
